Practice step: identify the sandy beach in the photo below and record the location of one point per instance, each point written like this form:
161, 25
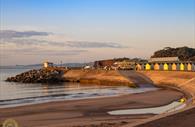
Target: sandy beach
181, 119
88, 112
94, 112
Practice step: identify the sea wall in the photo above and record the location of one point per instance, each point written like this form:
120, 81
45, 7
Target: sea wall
185, 81
100, 77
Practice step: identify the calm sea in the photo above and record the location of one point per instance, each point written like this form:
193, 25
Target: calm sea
16, 94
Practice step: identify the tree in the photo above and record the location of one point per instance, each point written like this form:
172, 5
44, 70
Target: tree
183, 53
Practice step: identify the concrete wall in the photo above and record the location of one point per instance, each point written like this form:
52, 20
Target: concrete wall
101, 77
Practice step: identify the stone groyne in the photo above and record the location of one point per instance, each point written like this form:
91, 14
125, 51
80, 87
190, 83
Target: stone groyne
44, 75
54, 75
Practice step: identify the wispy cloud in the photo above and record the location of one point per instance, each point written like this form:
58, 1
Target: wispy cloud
4, 34
33, 43
45, 52
31, 47
87, 44
25, 38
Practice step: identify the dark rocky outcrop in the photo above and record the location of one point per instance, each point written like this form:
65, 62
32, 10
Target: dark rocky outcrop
38, 76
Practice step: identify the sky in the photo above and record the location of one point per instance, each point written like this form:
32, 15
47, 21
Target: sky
33, 31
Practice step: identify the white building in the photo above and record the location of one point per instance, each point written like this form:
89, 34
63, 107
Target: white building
47, 64
87, 67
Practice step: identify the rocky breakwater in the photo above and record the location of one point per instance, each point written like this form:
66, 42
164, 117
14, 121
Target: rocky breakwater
44, 75
59, 74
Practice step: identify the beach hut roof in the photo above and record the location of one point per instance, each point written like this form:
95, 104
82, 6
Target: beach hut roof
163, 59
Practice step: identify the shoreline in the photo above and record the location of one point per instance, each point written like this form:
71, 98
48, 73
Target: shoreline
65, 113
72, 99
93, 112
182, 81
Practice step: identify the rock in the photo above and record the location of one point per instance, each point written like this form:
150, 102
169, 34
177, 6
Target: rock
38, 76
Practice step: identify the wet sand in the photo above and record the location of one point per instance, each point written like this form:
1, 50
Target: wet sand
184, 81
182, 119
88, 112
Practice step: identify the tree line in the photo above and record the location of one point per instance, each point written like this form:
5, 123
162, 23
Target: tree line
183, 53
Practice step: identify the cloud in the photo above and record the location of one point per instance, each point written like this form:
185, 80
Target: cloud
43, 52
47, 44
48, 39
4, 34
71, 44
87, 44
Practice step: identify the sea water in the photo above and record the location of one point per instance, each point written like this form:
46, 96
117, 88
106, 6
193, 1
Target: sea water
16, 94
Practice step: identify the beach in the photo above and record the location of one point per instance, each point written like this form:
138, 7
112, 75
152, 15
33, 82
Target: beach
181, 119
89, 112
97, 63
94, 112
